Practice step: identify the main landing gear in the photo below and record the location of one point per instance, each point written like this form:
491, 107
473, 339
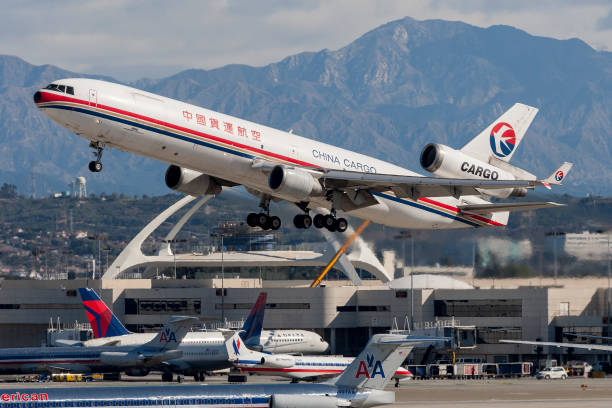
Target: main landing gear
328, 221
263, 219
95, 166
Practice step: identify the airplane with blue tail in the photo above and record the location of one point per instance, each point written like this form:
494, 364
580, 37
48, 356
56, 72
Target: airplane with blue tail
362, 384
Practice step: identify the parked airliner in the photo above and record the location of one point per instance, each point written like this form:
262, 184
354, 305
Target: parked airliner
161, 349
310, 368
202, 350
208, 150
360, 385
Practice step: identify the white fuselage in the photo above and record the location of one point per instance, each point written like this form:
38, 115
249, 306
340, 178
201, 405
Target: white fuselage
228, 148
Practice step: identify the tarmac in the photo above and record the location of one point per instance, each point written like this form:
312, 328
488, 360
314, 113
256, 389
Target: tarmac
498, 393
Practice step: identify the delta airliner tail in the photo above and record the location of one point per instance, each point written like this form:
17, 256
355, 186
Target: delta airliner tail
251, 330
102, 320
501, 138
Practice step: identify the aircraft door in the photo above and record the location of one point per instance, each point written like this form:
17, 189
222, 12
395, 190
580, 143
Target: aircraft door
93, 97
293, 152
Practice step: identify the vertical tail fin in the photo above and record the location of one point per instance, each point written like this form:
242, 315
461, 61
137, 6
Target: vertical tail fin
103, 322
251, 330
171, 334
501, 138
374, 367
238, 352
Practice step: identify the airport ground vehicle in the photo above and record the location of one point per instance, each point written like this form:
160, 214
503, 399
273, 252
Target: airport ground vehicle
549, 373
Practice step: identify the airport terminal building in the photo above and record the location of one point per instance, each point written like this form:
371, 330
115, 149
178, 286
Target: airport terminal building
345, 315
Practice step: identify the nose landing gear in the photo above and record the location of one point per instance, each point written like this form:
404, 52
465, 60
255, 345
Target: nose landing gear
95, 166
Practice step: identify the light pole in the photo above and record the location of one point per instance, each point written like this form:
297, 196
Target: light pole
403, 235
221, 235
170, 241
609, 294
555, 234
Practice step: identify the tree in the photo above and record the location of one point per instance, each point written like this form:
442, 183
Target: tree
8, 191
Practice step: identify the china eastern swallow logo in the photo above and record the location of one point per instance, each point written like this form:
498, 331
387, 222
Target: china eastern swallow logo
167, 336
559, 175
370, 368
236, 345
503, 139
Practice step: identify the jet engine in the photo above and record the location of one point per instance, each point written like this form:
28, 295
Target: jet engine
122, 358
293, 183
444, 161
278, 361
306, 401
190, 182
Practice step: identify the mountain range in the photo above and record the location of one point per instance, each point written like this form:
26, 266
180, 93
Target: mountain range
387, 94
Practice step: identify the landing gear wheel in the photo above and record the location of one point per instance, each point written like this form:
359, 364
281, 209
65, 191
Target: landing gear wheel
329, 222
274, 222
318, 220
302, 221
341, 224
95, 166
262, 221
167, 377
252, 220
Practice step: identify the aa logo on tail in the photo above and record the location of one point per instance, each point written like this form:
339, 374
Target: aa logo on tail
503, 139
167, 336
236, 345
370, 369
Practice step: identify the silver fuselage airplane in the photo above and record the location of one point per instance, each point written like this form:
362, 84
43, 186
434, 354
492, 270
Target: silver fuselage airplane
208, 150
360, 385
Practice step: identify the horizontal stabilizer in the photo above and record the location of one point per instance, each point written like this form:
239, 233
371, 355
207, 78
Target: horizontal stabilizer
557, 176
499, 207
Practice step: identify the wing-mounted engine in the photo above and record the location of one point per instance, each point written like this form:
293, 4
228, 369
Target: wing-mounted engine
306, 401
444, 161
137, 372
190, 182
294, 184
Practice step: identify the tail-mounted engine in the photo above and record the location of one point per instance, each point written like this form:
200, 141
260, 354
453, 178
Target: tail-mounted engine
447, 162
190, 182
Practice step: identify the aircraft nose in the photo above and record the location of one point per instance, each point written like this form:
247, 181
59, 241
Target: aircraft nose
37, 97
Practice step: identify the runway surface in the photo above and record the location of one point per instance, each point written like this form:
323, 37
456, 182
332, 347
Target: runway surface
499, 393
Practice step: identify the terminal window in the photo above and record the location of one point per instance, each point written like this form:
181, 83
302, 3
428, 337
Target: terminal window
163, 306
478, 308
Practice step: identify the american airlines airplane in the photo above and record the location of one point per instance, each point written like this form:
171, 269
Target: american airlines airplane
360, 385
163, 347
201, 350
311, 368
109, 331
208, 150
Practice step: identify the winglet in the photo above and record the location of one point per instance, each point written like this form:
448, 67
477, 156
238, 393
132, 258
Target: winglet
251, 330
557, 176
102, 320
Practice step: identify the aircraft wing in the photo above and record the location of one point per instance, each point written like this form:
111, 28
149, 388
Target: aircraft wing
602, 347
415, 186
499, 207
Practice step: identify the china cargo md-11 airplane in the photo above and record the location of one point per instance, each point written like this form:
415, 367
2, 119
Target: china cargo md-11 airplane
360, 385
207, 150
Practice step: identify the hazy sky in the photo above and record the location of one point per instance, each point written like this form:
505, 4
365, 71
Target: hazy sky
136, 39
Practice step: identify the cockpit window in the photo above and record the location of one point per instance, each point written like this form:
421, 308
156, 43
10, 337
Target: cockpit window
61, 88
